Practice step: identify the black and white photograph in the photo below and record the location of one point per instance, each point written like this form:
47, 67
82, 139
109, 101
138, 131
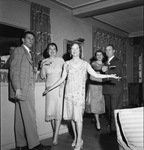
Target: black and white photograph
71, 74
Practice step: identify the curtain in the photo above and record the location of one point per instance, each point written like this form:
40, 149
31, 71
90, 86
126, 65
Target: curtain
101, 39
40, 25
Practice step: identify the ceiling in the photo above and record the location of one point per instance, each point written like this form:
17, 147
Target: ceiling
125, 15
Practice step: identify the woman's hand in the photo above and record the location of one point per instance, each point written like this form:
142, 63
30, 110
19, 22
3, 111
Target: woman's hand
45, 62
46, 91
114, 76
104, 68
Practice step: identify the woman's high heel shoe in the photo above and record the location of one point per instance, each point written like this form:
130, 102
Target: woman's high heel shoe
99, 130
73, 143
55, 143
79, 147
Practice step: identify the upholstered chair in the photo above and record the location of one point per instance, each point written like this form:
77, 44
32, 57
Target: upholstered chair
129, 128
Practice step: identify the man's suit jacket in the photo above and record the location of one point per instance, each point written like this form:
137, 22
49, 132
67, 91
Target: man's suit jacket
21, 72
113, 86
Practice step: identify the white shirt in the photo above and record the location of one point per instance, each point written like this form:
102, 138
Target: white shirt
28, 50
110, 59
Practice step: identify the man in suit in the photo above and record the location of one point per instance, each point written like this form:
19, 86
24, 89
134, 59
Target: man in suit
22, 92
112, 88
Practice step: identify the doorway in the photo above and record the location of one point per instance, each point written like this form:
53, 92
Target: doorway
9, 34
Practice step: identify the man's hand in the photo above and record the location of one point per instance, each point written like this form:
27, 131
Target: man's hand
18, 94
105, 68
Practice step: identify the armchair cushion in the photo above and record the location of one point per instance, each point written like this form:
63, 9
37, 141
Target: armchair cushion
129, 127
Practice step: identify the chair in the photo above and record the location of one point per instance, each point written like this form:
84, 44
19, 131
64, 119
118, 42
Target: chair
129, 128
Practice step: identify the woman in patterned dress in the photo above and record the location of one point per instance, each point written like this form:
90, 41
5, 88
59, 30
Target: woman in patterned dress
75, 73
95, 98
51, 70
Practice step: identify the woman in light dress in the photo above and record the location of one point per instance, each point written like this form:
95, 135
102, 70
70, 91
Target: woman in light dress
75, 73
95, 97
51, 70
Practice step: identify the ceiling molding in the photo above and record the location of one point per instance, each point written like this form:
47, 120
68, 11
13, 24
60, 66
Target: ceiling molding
106, 7
136, 34
61, 4
112, 26
82, 4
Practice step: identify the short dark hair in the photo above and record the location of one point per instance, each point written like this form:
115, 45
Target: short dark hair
28, 32
45, 53
113, 47
52, 44
99, 51
95, 59
104, 55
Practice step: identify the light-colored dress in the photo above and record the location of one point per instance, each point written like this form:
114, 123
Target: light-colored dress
74, 99
54, 98
96, 98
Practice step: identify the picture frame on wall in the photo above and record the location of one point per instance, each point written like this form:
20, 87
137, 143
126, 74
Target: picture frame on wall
66, 49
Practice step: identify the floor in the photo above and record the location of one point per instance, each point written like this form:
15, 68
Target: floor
93, 140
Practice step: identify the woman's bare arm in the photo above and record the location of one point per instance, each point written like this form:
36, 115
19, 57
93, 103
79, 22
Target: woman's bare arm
96, 75
61, 80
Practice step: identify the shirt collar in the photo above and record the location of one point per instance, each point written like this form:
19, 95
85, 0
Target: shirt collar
110, 58
27, 48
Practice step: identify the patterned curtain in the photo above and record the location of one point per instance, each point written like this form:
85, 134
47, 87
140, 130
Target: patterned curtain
40, 25
101, 39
